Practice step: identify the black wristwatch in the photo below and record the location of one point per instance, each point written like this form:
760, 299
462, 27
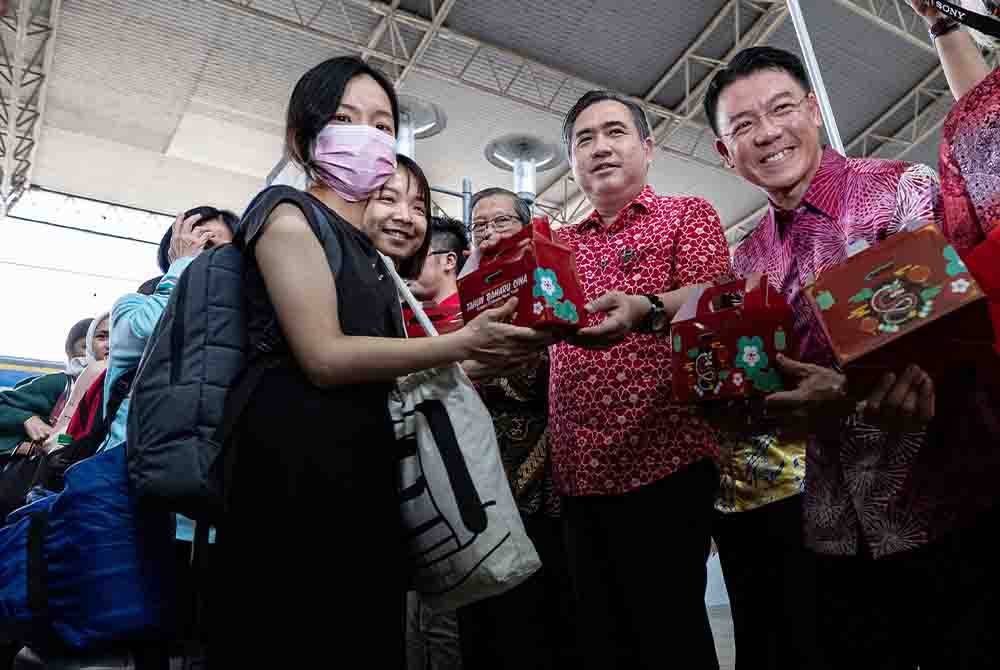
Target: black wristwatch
655, 318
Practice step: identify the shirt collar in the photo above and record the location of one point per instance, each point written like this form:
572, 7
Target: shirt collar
827, 190
643, 201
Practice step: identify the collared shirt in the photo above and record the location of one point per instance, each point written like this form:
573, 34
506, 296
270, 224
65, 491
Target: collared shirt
612, 425
859, 481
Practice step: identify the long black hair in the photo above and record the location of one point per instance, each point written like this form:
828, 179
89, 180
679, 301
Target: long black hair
315, 100
410, 268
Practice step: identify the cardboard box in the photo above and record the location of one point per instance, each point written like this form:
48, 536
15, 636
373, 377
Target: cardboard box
536, 268
910, 299
725, 342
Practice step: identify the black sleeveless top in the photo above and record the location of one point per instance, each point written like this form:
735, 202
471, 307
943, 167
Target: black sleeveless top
367, 301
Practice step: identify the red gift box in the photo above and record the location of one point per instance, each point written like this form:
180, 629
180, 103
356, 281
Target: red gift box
537, 269
910, 299
726, 340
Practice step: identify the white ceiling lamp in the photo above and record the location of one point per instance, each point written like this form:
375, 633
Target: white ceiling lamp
418, 120
524, 155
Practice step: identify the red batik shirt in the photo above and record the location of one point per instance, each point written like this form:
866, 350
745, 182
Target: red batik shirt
612, 425
859, 481
970, 184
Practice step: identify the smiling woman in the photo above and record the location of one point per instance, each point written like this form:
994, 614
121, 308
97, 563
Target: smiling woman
396, 218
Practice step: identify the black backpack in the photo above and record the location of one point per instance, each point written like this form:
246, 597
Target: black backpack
193, 381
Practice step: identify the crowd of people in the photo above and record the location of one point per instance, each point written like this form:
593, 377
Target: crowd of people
854, 529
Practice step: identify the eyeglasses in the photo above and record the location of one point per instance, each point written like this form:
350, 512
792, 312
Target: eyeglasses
499, 224
780, 114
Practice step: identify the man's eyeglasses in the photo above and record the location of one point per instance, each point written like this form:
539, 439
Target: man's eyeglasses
500, 224
780, 114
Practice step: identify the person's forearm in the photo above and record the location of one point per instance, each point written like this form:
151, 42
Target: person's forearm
962, 62
674, 300
356, 360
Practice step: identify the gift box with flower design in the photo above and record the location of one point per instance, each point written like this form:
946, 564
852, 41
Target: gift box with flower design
909, 299
534, 267
726, 340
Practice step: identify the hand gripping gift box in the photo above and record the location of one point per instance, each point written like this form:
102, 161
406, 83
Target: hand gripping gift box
726, 340
909, 299
534, 267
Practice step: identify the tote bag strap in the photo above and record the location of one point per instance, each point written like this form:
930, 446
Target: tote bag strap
411, 300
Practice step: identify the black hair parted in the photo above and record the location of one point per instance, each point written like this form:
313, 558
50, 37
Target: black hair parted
748, 62
315, 100
591, 98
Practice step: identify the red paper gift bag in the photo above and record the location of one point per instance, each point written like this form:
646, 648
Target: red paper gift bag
537, 269
726, 340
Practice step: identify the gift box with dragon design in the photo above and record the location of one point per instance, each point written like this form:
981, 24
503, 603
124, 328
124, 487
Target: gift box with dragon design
726, 340
534, 267
909, 299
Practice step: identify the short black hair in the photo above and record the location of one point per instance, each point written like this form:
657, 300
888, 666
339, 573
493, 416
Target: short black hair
410, 267
148, 287
592, 98
315, 100
206, 213
447, 234
77, 332
745, 63
521, 207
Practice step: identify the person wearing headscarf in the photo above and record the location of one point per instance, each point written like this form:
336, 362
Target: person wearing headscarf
26, 411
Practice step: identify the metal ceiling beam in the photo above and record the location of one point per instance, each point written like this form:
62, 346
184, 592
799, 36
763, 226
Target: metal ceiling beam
27, 42
385, 23
440, 14
470, 52
902, 22
771, 17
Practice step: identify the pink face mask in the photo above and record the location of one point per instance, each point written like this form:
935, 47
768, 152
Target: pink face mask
354, 160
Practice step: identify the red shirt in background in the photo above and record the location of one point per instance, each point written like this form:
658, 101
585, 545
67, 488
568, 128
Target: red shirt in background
89, 409
446, 316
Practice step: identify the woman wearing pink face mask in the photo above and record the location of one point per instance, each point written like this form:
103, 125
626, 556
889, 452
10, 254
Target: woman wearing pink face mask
313, 548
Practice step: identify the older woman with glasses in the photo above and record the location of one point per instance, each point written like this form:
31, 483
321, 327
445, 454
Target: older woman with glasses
530, 626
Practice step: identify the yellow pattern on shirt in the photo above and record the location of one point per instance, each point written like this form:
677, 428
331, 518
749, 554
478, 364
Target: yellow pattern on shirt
758, 470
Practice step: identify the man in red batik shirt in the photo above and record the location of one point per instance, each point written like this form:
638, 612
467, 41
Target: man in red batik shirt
898, 516
638, 471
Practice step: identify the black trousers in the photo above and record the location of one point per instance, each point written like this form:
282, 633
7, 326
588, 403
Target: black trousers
934, 607
638, 567
532, 626
771, 580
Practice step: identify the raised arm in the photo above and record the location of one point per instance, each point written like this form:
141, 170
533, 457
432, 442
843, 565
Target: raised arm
961, 59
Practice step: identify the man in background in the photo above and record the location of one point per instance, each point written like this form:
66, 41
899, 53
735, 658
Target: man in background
437, 285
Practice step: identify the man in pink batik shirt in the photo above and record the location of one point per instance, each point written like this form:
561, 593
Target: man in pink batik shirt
903, 572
